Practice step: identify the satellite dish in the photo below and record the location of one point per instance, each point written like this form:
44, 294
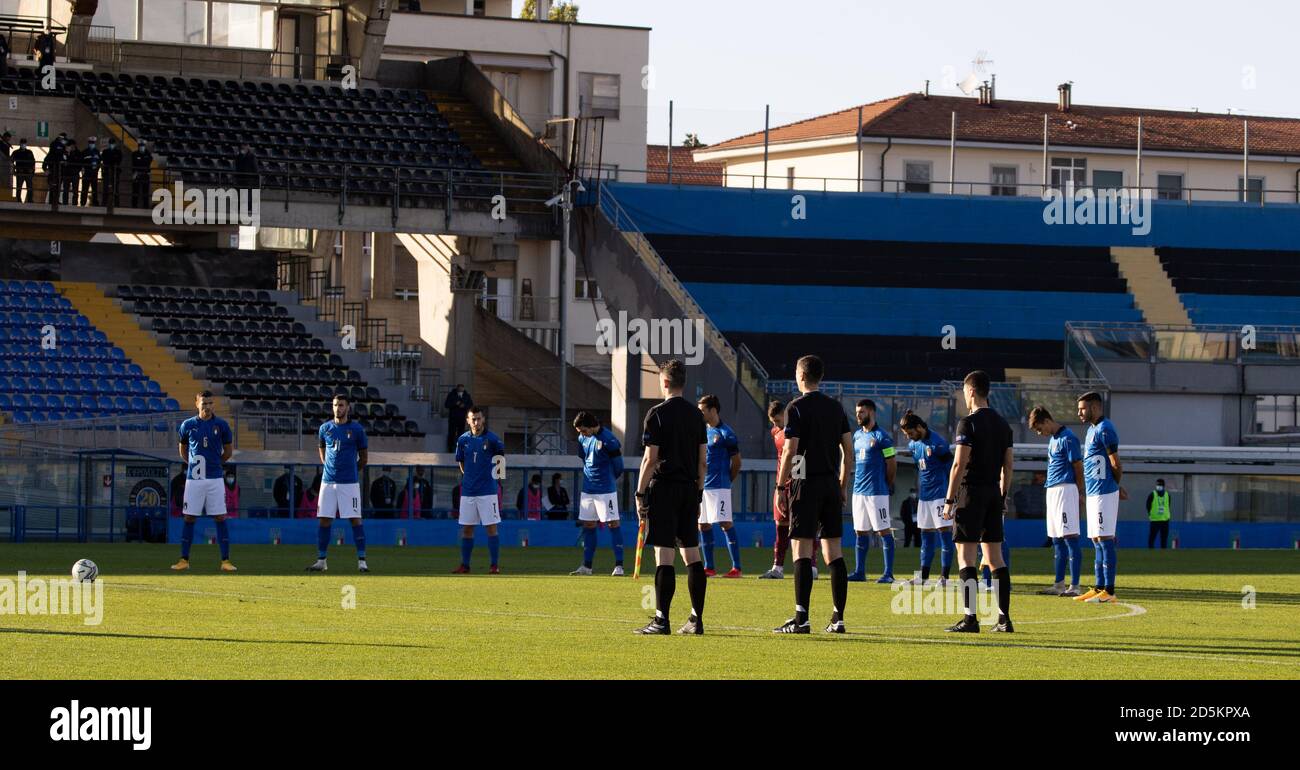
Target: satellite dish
969, 85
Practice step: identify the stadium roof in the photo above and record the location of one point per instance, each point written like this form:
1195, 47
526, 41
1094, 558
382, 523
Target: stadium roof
915, 116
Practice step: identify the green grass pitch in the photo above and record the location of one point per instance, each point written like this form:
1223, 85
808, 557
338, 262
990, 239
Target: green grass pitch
1182, 617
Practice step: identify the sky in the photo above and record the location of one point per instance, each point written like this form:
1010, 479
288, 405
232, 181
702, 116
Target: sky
721, 61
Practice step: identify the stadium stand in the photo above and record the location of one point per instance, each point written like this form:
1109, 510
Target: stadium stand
261, 359
875, 309
1234, 286
82, 374
302, 135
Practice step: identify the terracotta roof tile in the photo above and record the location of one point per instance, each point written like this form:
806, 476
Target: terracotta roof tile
685, 169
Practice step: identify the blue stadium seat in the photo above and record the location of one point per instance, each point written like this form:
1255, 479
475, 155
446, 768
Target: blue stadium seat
138, 405
155, 404
154, 387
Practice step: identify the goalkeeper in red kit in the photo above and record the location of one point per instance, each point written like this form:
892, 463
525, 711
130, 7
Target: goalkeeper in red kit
780, 500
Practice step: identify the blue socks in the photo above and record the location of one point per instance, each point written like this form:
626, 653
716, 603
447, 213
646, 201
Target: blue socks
1112, 558
927, 552
733, 546
359, 539
1059, 557
588, 546
494, 548
223, 539
616, 537
706, 539
861, 547
888, 540
947, 552
466, 548
187, 539
322, 541
1098, 565
1076, 558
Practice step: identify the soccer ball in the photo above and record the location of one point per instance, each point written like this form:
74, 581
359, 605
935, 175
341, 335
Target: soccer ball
85, 571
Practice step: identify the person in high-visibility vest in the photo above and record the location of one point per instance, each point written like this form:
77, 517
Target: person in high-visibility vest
1158, 508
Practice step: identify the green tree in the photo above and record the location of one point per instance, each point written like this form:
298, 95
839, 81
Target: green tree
567, 12
692, 140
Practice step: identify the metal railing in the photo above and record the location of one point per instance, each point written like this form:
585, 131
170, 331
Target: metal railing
136, 431
190, 59
1156, 343
521, 308
963, 187
754, 381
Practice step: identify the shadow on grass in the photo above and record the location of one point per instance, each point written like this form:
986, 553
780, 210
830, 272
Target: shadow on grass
224, 640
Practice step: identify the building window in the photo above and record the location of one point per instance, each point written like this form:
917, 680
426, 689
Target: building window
916, 176
1254, 189
118, 14
1169, 187
1003, 180
480, 8
1069, 172
599, 95
166, 21
789, 178
1275, 414
586, 288
1107, 180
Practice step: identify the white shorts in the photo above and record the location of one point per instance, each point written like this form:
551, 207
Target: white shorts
1103, 510
479, 510
1063, 510
204, 497
870, 513
715, 507
602, 507
342, 501
929, 515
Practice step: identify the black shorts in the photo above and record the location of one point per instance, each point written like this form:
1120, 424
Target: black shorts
674, 514
816, 508
979, 515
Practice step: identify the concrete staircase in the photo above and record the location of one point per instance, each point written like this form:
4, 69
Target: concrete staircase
1153, 292
143, 348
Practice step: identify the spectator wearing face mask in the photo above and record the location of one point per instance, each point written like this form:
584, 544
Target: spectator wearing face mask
232, 494
1159, 506
529, 499
90, 162
111, 160
458, 404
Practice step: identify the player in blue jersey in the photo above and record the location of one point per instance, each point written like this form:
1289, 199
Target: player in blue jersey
1102, 472
205, 443
873, 481
1064, 491
344, 451
933, 459
722, 465
602, 464
477, 451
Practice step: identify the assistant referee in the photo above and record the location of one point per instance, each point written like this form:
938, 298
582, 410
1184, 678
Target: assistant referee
977, 492
817, 464
668, 496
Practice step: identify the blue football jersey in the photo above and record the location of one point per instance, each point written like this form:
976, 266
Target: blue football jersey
721, 445
1098, 476
602, 461
933, 459
343, 442
870, 450
206, 440
1063, 451
475, 453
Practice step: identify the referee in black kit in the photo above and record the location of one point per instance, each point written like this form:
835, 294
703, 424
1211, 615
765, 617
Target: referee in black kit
816, 469
977, 496
668, 495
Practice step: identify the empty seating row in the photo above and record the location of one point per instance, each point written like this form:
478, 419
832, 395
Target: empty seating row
176, 293
34, 288
300, 392
176, 324
319, 359
41, 368
65, 355
46, 384
106, 402
206, 309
